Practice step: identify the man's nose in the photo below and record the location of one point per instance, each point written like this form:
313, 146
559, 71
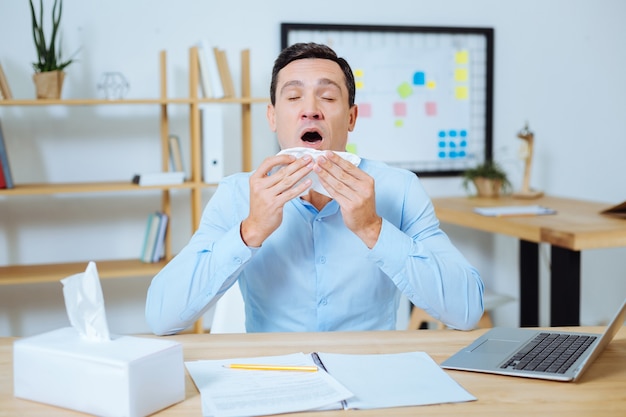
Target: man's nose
311, 114
310, 109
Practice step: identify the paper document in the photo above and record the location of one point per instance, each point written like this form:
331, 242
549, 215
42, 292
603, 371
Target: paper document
510, 211
363, 381
393, 380
229, 392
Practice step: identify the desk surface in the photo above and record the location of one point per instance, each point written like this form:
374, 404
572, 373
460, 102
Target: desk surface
600, 392
577, 225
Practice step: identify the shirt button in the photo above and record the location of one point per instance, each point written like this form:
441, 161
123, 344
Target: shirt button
322, 259
323, 301
237, 260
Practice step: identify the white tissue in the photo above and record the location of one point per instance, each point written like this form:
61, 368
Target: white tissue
85, 304
316, 185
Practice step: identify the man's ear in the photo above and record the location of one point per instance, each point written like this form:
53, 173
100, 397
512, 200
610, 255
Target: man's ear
354, 112
271, 117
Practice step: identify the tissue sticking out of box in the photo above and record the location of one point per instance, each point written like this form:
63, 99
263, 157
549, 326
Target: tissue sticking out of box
85, 304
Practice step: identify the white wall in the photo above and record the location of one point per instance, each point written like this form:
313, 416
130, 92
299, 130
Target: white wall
559, 65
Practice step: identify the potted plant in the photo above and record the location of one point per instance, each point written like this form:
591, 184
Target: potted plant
49, 67
488, 178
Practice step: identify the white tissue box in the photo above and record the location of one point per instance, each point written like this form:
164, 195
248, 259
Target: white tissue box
127, 376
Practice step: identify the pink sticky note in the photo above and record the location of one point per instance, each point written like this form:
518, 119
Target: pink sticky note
431, 108
365, 110
399, 109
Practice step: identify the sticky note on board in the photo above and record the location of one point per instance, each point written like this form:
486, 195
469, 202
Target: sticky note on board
460, 75
404, 90
430, 108
399, 109
365, 109
419, 78
461, 92
462, 57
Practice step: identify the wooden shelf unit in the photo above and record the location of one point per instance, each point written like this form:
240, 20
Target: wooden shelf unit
28, 274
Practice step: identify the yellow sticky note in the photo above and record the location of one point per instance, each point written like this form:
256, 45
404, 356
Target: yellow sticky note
358, 73
399, 123
358, 85
462, 57
461, 92
460, 75
431, 85
351, 147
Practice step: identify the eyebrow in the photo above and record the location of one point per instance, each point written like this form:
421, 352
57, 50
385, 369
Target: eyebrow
320, 82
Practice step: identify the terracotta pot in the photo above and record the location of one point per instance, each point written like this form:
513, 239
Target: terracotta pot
487, 187
48, 85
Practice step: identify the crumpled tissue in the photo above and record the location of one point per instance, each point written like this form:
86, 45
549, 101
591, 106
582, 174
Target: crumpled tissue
316, 185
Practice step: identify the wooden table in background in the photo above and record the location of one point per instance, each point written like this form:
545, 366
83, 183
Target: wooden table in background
576, 226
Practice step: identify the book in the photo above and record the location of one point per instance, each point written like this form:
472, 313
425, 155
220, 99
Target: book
150, 236
4, 162
5, 90
372, 380
176, 154
158, 251
618, 211
514, 211
212, 142
211, 68
3, 183
205, 77
224, 71
159, 178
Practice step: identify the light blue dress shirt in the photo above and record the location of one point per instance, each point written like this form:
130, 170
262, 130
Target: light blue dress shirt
313, 273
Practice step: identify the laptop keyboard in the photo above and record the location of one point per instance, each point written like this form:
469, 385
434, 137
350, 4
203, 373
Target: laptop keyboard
549, 352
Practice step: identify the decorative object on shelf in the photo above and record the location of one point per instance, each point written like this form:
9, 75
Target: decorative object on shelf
49, 67
526, 192
113, 85
488, 178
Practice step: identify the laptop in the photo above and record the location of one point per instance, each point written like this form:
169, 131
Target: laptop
535, 353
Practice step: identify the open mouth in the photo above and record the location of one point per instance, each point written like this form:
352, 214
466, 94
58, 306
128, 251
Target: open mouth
311, 137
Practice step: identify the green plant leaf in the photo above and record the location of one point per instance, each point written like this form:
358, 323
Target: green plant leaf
49, 57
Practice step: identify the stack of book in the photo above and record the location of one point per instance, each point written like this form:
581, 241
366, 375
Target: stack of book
153, 249
215, 77
6, 180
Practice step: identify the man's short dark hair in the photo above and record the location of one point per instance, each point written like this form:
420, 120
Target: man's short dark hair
311, 50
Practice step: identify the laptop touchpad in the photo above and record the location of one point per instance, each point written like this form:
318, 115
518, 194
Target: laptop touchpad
492, 346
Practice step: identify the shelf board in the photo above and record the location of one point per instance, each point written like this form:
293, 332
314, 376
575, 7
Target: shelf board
29, 274
235, 100
91, 187
91, 102
147, 101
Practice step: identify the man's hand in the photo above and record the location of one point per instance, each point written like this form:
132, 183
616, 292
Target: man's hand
353, 190
269, 193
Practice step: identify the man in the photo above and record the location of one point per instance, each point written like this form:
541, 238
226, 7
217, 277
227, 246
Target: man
306, 261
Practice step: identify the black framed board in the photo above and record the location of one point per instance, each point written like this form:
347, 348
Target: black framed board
425, 94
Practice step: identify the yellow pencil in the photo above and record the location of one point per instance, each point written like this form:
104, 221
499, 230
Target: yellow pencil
254, 367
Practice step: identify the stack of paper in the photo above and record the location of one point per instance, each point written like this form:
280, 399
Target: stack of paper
350, 382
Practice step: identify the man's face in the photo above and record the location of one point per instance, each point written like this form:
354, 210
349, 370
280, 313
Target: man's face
311, 107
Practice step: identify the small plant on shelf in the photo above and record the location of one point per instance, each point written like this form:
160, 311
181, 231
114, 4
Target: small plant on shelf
49, 66
489, 179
